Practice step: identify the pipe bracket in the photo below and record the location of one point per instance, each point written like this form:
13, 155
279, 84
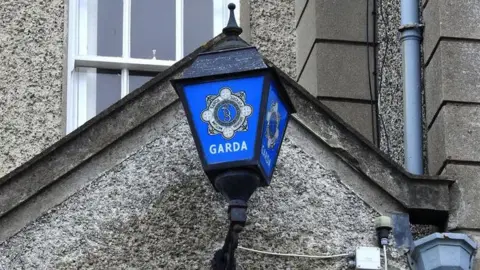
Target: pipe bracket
411, 26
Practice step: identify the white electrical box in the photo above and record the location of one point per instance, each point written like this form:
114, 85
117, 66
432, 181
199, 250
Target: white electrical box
367, 258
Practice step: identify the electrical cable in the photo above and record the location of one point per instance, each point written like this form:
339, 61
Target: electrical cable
370, 75
386, 24
383, 226
382, 122
296, 255
385, 256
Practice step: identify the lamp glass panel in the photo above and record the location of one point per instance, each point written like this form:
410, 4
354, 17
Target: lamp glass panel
225, 117
273, 129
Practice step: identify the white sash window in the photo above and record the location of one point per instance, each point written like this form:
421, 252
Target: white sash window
115, 46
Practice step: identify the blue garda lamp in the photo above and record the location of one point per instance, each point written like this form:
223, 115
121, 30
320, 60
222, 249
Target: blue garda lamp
238, 112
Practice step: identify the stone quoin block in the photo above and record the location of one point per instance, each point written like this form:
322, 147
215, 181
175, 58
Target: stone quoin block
453, 19
309, 77
299, 7
454, 136
452, 75
332, 20
464, 199
305, 34
341, 71
358, 115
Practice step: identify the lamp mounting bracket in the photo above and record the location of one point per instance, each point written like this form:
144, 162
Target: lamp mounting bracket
224, 258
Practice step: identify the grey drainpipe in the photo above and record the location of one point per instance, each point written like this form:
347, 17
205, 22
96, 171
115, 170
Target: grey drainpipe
412, 95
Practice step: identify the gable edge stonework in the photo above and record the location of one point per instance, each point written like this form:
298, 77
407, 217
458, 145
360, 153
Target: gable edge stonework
110, 126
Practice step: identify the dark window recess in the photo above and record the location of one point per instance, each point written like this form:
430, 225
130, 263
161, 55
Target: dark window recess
198, 24
139, 78
109, 28
109, 88
153, 28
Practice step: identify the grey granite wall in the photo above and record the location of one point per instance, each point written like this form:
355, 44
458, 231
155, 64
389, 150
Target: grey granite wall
272, 26
452, 79
390, 85
156, 210
390, 93
272, 30
31, 60
335, 59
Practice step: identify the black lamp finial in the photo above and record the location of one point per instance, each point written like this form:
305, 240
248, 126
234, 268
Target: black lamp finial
232, 28
232, 33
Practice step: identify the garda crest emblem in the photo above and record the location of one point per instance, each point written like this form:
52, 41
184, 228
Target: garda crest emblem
272, 128
226, 113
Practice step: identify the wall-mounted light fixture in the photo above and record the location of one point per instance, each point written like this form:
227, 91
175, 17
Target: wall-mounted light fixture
238, 112
443, 251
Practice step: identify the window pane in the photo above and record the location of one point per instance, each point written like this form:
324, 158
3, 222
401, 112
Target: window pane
109, 88
153, 28
110, 27
97, 90
198, 23
139, 78
101, 26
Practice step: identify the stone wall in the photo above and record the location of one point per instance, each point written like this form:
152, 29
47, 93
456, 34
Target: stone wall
452, 83
272, 30
389, 87
155, 209
31, 46
336, 59
31, 79
390, 84
388, 67
31, 57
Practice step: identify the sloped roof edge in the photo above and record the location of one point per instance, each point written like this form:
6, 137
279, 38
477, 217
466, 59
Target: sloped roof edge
122, 102
80, 145
426, 197
420, 194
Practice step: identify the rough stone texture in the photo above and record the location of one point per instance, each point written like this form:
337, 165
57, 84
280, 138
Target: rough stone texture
68, 184
417, 192
454, 136
31, 57
272, 27
85, 142
389, 70
51, 178
445, 18
359, 115
464, 196
452, 75
156, 209
365, 188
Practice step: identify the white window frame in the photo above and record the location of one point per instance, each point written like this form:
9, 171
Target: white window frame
81, 85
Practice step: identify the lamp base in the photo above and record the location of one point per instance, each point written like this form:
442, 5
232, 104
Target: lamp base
237, 185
